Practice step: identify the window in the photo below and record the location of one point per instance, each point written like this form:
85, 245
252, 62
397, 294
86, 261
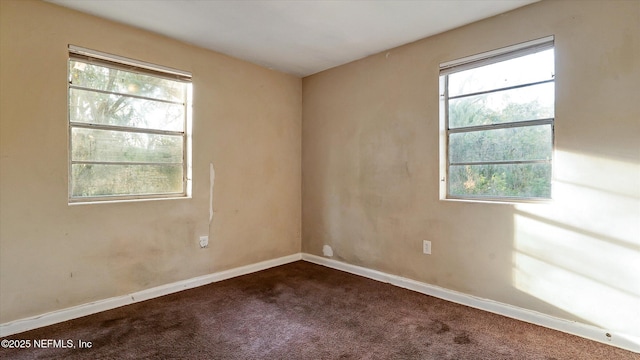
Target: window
497, 119
128, 128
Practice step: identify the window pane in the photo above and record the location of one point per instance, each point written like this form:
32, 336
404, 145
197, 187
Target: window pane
527, 103
522, 70
104, 180
124, 82
108, 109
509, 144
121, 146
128, 129
494, 181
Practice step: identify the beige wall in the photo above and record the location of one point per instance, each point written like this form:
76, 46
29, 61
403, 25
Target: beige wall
370, 170
247, 121
369, 165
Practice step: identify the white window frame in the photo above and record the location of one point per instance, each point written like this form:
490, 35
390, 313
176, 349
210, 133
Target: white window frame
476, 61
131, 65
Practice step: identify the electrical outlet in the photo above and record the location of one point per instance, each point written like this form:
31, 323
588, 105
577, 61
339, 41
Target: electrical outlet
426, 247
204, 241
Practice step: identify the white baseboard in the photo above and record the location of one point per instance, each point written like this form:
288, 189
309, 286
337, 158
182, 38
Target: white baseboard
21, 325
624, 341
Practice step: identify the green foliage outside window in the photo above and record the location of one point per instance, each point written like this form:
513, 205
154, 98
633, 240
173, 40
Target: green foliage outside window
498, 180
500, 129
127, 132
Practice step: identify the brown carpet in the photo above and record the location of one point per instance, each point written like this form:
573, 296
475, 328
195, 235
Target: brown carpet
305, 311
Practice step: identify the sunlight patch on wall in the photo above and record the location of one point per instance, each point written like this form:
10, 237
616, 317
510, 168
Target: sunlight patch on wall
610, 175
581, 253
595, 302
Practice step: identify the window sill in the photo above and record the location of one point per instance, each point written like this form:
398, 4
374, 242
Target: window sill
497, 201
126, 200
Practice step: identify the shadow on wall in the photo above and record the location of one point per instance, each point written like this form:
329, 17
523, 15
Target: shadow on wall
581, 253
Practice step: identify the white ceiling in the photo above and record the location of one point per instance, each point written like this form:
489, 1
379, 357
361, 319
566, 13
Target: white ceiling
298, 37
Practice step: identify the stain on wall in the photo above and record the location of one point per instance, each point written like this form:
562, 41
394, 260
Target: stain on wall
371, 170
243, 117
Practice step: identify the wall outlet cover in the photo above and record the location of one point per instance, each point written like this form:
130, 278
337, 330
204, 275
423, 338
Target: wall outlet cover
426, 247
327, 251
204, 241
